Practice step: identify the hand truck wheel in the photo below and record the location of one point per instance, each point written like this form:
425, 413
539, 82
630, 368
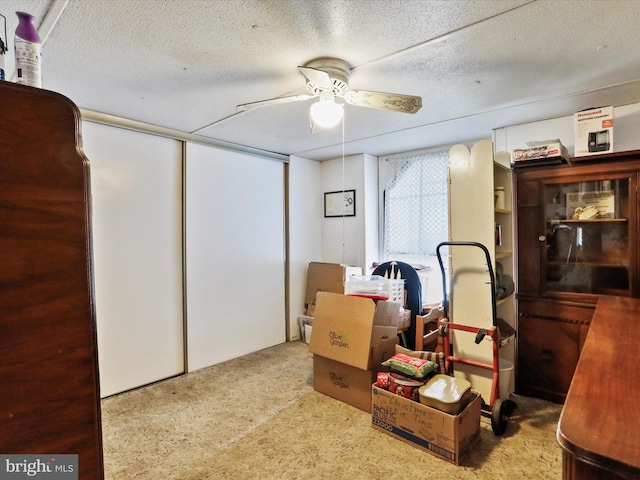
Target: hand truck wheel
500, 413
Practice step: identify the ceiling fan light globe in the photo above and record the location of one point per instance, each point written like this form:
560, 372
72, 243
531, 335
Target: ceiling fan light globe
326, 113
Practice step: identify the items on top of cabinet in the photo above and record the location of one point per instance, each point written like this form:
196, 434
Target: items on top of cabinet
548, 152
593, 129
28, 51
3, 47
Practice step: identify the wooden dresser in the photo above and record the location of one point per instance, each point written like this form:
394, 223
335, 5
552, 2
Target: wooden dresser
599, 429
49, 390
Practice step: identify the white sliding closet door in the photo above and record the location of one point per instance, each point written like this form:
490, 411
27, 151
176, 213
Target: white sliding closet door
136, 182
234, 254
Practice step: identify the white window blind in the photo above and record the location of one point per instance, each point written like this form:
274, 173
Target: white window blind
416, 212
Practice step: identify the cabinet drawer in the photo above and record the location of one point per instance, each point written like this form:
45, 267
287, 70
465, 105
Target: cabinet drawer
550, 336
556, 310
548, 353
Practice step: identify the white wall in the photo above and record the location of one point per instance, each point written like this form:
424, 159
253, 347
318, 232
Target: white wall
626, 124
315, 238
350, 240
305, 231
136, 186
234, 254
371, 228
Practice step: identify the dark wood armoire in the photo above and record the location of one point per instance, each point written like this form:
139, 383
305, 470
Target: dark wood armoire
567, 261
49, 386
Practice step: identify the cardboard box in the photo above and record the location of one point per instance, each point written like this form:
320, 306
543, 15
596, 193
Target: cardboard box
349, 346
345, 330
553, 153
450, 437
391, 314
593, 130
348, 384
326, 277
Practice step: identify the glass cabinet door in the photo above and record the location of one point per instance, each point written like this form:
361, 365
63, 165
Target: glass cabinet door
588, 228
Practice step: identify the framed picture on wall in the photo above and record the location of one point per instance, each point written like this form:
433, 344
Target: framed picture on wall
340, 204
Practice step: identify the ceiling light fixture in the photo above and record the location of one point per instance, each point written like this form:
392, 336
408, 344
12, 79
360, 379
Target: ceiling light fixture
326, 113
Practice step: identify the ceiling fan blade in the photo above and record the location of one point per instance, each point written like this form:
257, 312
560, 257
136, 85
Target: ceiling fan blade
318, 77
275, 101
387, 101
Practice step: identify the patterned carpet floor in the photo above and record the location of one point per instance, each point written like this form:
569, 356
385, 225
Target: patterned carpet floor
258, 416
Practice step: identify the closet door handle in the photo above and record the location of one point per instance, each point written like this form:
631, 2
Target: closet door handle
542, 238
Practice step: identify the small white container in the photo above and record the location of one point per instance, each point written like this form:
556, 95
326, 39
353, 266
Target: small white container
448, 394
371, 286
304, 323
397, 291
307, 333
506, 375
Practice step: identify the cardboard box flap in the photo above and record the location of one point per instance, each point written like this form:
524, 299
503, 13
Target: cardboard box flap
380, 333
357, 310
388, 313
383, 350
343, 328
323, 277
326, 277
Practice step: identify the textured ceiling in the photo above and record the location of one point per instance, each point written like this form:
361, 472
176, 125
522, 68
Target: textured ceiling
477, 64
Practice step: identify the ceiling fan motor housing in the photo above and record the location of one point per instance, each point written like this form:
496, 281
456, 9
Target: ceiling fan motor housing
338, 71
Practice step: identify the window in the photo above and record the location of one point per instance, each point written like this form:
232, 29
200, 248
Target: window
415, 218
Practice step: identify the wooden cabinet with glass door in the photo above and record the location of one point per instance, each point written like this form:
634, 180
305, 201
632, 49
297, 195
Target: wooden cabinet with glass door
576, 241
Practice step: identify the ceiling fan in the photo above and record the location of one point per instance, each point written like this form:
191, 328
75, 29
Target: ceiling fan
328, 79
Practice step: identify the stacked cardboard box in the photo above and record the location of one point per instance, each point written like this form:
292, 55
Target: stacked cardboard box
351, 338
450, 437
326, 277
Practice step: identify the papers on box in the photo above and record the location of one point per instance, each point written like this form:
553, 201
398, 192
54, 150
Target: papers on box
541, 154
